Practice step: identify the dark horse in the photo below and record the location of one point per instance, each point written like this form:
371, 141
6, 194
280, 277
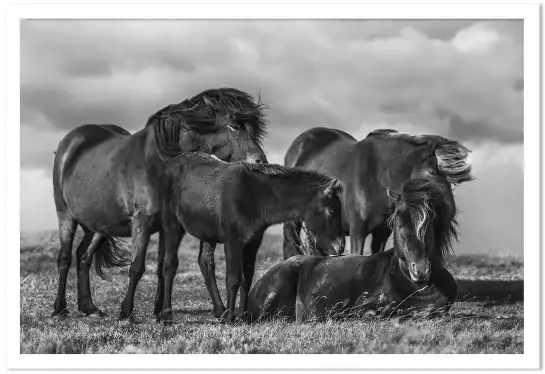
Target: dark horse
107, 181
385, 158
409, 276
234, 203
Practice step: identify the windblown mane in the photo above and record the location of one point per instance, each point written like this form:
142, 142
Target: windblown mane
428, 202
295, 175
451, 155
208, 112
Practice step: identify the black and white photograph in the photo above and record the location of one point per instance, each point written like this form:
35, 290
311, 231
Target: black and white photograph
253, 185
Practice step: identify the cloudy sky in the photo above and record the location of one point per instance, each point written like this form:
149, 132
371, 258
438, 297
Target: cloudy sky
459, 79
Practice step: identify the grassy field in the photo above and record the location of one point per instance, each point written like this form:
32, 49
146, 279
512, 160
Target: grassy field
487, 319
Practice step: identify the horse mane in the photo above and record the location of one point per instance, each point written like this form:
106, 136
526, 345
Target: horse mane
294, 175
208, 112
427, 201
451, 155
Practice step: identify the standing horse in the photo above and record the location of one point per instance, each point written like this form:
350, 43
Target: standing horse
107, 181
385, 158
410, 276
234, 203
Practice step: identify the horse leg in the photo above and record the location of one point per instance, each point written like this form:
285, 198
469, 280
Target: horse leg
445, 283
173, 237
208, 270
140, 240
233, 256
84, 257
292, 240
248, 269
160, 293
380, 237
358, 233
67, 230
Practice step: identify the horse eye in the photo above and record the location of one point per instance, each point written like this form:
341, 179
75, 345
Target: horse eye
329, 211
234, 126
432, 172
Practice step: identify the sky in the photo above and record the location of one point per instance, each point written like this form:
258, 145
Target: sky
461, 79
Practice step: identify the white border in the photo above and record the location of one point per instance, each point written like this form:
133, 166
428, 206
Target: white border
529, 12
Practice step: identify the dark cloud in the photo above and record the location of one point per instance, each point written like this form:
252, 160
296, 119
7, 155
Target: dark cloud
477, 130
330, 72
463, 130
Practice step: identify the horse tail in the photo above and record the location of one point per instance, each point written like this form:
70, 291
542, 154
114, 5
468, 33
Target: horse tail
110, 253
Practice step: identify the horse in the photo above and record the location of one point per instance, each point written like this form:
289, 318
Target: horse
234, 203
385, 158
107, 181
410, 276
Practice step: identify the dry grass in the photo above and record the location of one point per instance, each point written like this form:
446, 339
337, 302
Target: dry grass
488, 319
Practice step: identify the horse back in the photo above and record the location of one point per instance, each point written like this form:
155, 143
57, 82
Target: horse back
319, 147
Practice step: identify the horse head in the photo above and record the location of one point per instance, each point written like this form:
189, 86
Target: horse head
423, 226
224, 122
323, 220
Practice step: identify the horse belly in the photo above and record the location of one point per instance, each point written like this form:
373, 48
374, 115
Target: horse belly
201, 221
98, 211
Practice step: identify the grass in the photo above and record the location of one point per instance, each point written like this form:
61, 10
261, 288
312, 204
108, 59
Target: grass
489, 317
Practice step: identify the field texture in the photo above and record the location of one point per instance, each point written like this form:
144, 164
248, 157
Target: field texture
487, 319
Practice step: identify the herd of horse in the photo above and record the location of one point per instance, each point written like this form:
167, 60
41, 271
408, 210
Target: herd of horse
199, 167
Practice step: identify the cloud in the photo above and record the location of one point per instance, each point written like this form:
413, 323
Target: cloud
122, 71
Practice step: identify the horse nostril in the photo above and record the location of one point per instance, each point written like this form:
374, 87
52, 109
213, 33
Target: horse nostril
421, 271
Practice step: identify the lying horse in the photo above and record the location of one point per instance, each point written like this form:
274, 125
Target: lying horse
234, 203
107, 181
409, 276
385, 158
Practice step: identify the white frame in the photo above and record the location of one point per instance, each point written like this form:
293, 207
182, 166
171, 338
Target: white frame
529, 12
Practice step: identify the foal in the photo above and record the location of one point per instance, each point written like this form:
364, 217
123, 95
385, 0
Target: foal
234, 203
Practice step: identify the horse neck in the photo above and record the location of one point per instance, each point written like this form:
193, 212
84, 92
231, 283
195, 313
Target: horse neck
287, 200
144, 143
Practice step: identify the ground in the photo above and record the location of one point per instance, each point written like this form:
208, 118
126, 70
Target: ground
489, 317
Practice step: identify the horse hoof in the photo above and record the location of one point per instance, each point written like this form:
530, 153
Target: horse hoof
96, 314
168, 322
62, 314
125, 317
227, 319
240, 314
128, 321
218, 313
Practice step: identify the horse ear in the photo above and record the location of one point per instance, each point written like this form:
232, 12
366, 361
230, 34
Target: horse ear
337, 187
394, 196
334, 188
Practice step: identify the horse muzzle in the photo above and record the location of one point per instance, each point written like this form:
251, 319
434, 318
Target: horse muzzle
420, 272
338, 247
